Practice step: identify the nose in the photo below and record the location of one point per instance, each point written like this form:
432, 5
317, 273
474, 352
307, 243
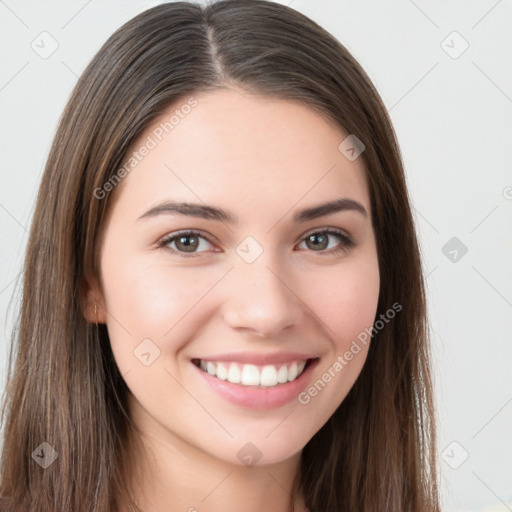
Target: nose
260, 300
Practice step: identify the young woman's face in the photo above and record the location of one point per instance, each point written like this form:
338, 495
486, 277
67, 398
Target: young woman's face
268, 292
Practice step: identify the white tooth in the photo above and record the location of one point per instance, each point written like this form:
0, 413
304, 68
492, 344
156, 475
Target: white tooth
222, 371
250, 375
282, 375
269, 376
203, 365
234, 374
292, 372
210, 368
300, 367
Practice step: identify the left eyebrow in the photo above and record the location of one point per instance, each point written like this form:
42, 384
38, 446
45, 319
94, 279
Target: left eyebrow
213, 213
338, 205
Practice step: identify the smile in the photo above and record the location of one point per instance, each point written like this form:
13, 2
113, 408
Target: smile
253, 375
257, 381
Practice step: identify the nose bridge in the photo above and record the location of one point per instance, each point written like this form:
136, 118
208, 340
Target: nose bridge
259, 298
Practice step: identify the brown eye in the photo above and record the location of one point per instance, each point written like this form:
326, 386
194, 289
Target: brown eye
185, 243
319, 241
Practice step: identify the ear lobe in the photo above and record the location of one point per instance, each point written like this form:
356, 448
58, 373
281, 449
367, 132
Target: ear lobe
94, 308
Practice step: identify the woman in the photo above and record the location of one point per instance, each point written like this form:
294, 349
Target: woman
223, 300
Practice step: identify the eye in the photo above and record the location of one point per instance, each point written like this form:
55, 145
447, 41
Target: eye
186, 243
319, 241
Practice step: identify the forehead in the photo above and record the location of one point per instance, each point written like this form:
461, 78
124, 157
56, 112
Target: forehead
249, 152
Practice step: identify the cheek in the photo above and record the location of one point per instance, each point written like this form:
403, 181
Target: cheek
346, 300
150, 301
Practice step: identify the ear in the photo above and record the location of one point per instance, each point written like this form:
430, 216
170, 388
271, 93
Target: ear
94, 307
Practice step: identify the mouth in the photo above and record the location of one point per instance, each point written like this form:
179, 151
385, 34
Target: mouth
256, 386
252, 375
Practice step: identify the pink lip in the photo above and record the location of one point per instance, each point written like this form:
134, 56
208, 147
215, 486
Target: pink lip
259, 359
253, 397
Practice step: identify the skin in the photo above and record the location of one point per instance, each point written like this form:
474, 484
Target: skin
263, 160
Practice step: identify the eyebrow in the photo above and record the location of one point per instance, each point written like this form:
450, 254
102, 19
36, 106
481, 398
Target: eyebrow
213, 213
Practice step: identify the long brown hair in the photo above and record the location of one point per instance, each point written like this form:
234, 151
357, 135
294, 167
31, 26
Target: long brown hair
377, 452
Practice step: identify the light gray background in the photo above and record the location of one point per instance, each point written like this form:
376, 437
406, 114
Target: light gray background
452, 115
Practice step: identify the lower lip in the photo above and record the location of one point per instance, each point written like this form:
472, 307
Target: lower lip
256, 397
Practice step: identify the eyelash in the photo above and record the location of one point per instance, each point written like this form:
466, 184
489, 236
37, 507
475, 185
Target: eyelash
347, 242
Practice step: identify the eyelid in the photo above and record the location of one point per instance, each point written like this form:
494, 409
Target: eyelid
337, 231
347, 241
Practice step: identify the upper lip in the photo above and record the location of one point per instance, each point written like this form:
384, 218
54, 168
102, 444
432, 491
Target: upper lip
258, 358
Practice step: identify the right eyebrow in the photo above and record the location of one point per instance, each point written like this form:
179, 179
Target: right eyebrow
190, 209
